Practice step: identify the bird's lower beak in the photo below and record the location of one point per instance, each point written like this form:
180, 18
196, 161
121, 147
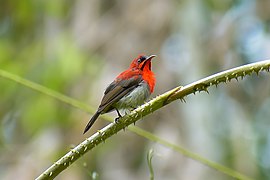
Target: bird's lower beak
150, 57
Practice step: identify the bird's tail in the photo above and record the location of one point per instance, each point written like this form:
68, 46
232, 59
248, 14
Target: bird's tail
91, 122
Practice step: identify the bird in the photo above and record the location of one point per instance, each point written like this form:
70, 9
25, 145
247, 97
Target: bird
129, 89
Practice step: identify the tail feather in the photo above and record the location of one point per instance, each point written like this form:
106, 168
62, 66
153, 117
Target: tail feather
91, 122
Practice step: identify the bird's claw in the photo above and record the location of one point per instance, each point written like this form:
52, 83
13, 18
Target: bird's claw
116, 120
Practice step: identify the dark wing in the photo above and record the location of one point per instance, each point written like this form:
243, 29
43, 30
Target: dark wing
116, 90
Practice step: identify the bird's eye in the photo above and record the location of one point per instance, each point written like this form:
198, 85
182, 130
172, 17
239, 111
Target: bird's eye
141, 59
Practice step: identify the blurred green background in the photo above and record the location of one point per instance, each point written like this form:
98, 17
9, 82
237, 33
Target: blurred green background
78, 47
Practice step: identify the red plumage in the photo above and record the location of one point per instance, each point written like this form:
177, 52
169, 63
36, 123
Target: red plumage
129, 89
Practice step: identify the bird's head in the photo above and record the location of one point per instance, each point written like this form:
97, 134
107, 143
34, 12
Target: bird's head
142, 62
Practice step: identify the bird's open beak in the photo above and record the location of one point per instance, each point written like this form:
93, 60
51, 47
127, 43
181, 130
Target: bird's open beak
150, 57
148, 62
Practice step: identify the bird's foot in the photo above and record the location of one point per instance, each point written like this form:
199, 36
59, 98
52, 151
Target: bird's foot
132, 108
116, 120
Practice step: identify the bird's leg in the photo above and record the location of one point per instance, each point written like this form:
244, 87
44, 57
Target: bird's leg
119, 116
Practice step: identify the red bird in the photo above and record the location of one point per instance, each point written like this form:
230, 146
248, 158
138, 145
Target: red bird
129, 90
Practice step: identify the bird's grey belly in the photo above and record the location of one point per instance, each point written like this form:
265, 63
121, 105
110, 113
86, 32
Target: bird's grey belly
135, 98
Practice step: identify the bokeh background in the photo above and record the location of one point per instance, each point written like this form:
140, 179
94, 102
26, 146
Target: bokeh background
78, 47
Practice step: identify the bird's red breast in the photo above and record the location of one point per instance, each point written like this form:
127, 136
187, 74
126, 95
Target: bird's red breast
149, 77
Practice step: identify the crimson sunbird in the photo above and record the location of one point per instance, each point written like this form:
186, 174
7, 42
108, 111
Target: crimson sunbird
129, 89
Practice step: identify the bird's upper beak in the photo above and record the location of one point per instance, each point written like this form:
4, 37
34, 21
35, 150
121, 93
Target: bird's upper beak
150, 57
